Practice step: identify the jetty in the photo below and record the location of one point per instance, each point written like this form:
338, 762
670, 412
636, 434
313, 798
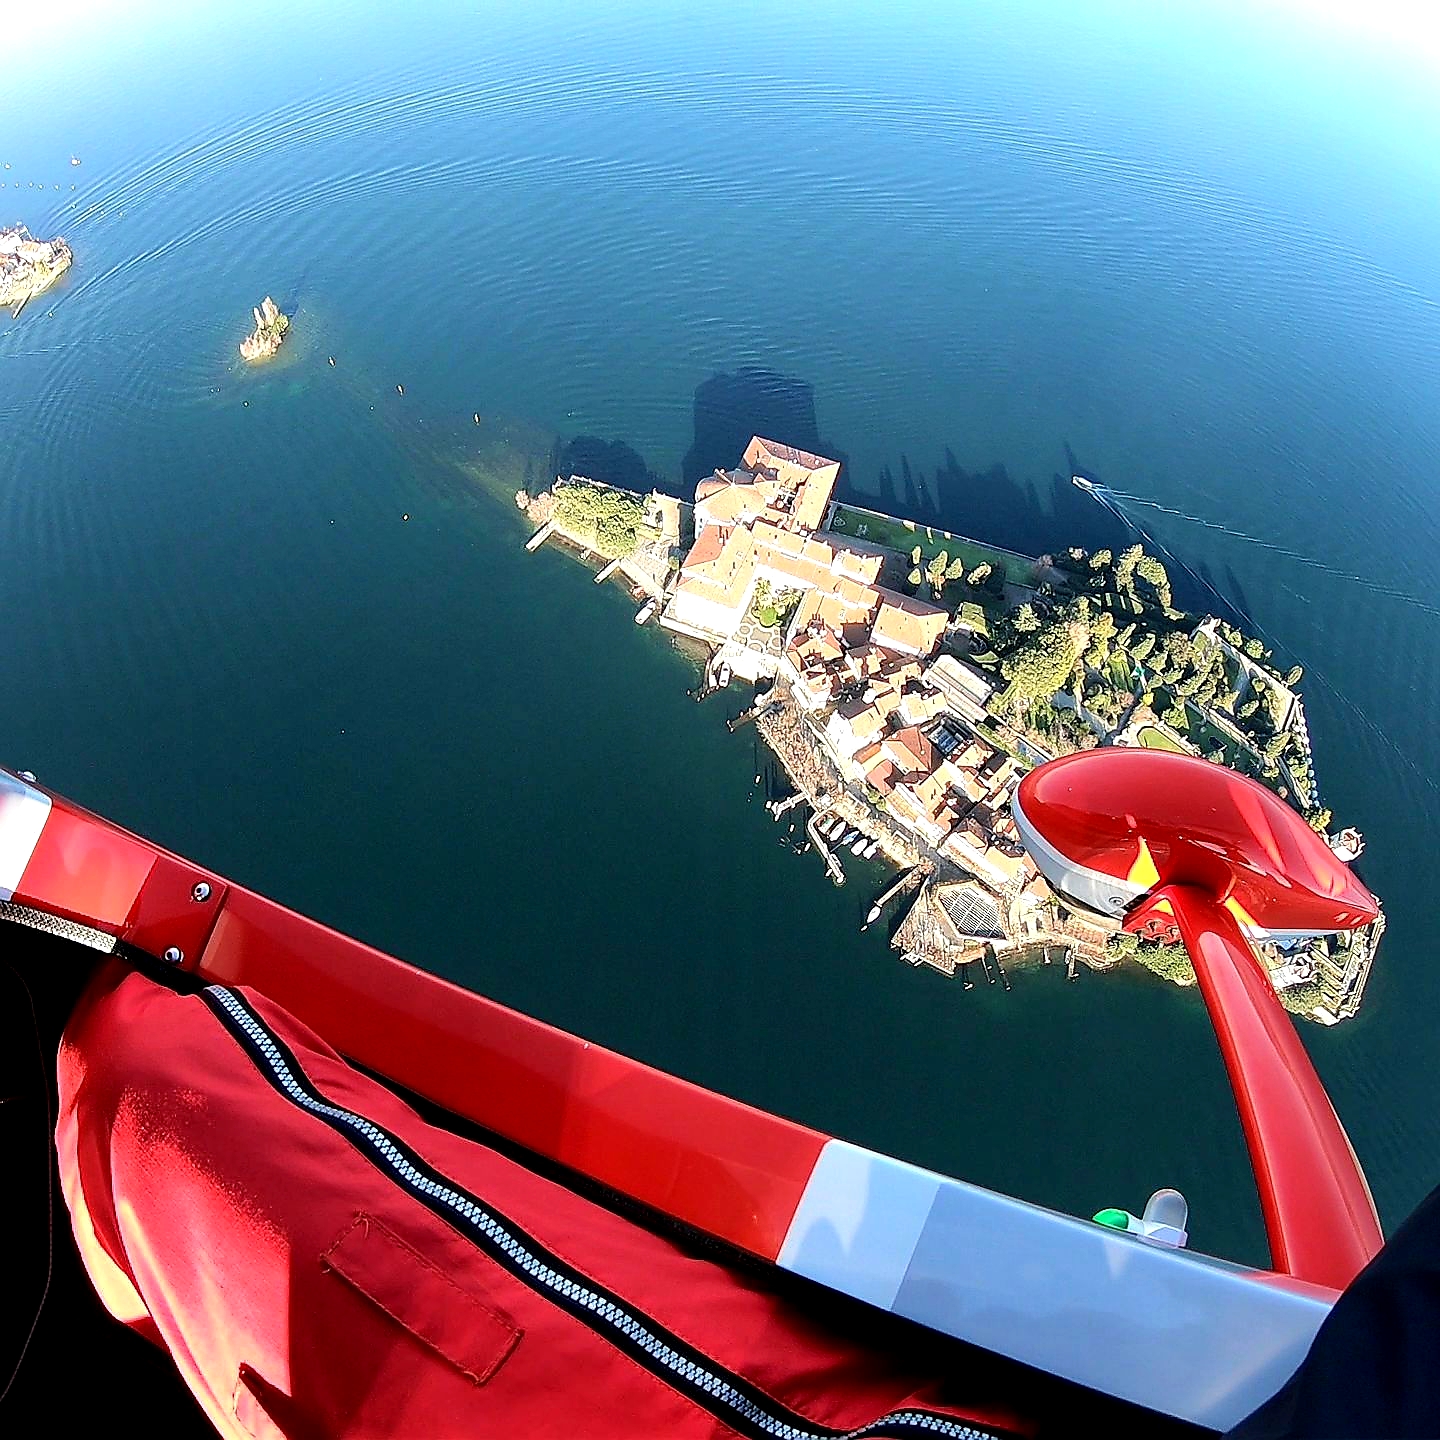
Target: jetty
606, 571
778, 807
762, 706
832, 863
28, 266
907, 880
540, 536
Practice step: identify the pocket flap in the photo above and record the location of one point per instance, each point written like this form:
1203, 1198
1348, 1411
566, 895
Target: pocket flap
435, 1308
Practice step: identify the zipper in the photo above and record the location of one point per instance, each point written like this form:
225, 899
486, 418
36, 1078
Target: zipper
721, 1392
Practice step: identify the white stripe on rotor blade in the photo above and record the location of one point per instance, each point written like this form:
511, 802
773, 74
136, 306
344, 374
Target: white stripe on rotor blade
1178, 1332
23, 812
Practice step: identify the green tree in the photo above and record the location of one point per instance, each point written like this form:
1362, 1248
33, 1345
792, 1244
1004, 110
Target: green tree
1294, 675
915, 577
955, 570
1044, 664
1301, 999
1170, 962
1149, 569
978, 576
610, 522
915, 557
1140, 651
1101, 560
1025, 620
1125, 570
1254, 649
1320, 820
973, 617
935, 572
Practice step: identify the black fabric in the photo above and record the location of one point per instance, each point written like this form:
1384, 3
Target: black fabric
1374, 1369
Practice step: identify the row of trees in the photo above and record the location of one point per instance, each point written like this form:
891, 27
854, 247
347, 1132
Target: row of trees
1170, 962
943, 569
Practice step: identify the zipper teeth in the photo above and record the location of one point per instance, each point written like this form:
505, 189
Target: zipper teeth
711, 1381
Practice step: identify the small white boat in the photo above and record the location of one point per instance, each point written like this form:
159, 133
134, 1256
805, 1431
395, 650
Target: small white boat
858, 848
723, 675
871, 848
1081, 483
644, 612
848, 836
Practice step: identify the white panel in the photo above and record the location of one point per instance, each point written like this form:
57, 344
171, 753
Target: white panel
1181, 1333
870, 1226
23, 812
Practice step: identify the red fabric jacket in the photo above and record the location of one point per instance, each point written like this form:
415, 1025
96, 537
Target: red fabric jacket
321, 1262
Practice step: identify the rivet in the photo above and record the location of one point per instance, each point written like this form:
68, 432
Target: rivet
200, 892
174, 955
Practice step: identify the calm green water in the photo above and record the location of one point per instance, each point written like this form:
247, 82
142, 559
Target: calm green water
1198, 258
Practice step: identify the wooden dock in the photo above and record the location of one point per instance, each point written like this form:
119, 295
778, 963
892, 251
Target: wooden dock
540, 536
818, 840
905, 881
601, 576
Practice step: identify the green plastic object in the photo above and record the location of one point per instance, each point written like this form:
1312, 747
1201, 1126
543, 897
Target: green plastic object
1115, 1219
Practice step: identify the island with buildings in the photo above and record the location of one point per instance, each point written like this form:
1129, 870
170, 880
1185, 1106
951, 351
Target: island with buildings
907, 678
29, 266
271, 327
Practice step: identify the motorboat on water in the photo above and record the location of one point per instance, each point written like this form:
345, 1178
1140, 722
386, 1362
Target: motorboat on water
1170, 1330
1081, 483
858, 848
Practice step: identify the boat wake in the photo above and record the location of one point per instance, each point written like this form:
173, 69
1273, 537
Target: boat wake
1115, 502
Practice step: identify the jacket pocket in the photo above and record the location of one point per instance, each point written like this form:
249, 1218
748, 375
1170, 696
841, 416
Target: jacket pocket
475, 1337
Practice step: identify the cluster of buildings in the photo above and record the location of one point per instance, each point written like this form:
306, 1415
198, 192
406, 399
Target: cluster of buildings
858, 659
28, 265
765, 521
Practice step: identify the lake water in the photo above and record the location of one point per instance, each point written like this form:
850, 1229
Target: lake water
969, 250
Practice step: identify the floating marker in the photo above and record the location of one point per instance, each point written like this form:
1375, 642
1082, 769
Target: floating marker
404, 517
477, 417
399, 389
332, 359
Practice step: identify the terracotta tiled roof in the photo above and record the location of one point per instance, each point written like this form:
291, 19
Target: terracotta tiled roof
778, 451
707, 547
911, 750
908, 624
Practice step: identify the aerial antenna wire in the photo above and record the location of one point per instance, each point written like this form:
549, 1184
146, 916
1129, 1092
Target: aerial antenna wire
49, 1188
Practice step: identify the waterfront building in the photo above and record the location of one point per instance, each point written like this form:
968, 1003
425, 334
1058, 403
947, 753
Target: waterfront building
763, 522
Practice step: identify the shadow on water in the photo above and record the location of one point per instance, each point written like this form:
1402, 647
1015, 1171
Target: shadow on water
1031, 516
612, 462
731, 407
994, 505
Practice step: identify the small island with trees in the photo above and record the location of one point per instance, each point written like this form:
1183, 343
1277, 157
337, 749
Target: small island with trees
29, 266
271, 327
